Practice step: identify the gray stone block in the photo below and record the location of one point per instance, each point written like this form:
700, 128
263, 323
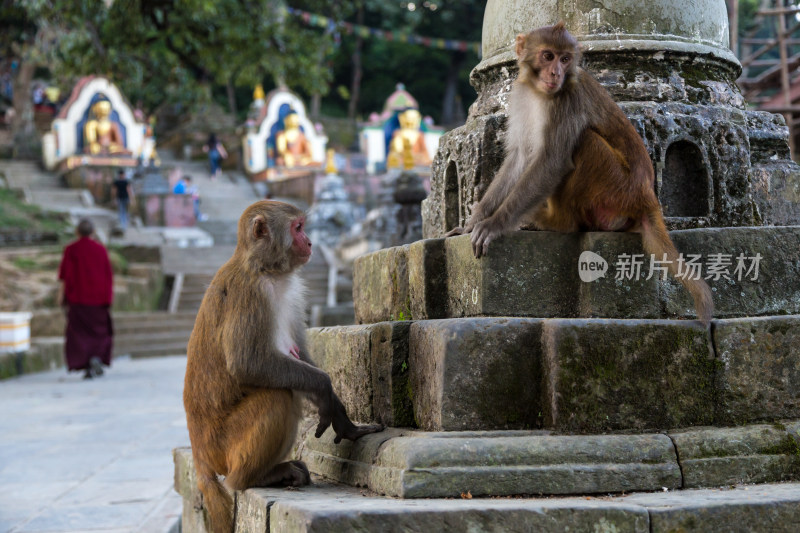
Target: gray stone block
727, 456
747, 509
479, 373
536, 274
368, 365
380, 286
391, 390
344, 353
192, 518
776, 191
761, 368
614, 295
573, 375
450, 516
185, 477
414, 464
427, 279
775, 291
607, 375
525, 274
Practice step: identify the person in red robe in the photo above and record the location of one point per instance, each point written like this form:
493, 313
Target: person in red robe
86, 293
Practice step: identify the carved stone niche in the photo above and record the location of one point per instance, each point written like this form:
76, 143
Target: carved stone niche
685, 189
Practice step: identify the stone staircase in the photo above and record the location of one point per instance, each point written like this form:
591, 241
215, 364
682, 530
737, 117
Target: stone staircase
192, 292
46, 190
327, 507
152, 334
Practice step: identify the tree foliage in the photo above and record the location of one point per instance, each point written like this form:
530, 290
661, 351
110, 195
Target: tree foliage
191, 51
435, 77
177, 50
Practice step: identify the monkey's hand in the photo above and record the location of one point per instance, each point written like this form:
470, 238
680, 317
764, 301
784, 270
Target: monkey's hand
335, 413
485, 232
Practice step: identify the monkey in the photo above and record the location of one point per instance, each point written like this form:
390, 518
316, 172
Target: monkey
573, 161
248, 367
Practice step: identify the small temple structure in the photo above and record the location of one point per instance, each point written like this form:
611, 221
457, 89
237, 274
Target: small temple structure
383, 137
282, 142
96, 128
94, 135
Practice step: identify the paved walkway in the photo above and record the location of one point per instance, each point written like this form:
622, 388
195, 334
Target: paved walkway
92, 455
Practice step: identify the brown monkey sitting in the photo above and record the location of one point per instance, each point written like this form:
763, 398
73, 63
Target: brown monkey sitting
248, 366
574, 162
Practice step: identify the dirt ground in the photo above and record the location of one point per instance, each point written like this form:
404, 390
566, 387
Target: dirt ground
28, 278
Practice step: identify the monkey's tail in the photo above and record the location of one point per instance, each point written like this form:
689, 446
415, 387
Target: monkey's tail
216, 499
656, 241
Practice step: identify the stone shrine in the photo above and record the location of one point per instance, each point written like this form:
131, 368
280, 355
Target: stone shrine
558, 364
260, 142
380, 137
65, 147
517, 340
95, 133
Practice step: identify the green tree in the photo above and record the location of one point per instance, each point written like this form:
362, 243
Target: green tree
439, 79
162, 51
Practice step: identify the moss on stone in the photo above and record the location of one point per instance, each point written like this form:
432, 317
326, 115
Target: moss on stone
787, 446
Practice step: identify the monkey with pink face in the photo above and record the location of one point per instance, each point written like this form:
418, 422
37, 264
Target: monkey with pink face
248, 367
573, 161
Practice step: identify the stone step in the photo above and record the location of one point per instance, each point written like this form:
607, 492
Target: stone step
152, 334
132, 341
195, 289
415, 464
339, 315
22, 174
330, 508
205, 260
154, 325
61, 200
151, 321
223, 231
537, 274
570, 375
160, 350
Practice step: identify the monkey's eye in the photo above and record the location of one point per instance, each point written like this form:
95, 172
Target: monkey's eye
566, 59
548, 56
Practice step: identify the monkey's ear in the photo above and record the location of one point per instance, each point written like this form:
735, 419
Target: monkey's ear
520, 45
260, 227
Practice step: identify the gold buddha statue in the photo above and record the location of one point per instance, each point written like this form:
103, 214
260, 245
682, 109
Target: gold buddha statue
409, 132
292, 146
100, 134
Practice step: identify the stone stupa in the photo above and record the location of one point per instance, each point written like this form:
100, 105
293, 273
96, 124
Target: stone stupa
510, 375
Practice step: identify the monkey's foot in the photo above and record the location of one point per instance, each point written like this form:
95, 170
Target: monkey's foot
356, 432
288, 474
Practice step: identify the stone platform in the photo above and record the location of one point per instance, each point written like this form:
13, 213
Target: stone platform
536, 274
332, 508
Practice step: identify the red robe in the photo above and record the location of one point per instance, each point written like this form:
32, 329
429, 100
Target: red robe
88, 291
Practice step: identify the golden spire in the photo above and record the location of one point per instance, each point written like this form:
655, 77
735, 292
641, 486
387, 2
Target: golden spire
258, 92
330, 164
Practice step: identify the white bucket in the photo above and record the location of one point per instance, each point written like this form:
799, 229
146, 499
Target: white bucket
15, 332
